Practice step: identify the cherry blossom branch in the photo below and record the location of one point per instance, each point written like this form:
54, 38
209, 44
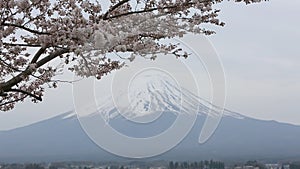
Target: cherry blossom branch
39, 98
86, 64
38, 54
3, 94
51, 56
105, 16
22, 44
67, 81
6, 86
9, 66
153, 9
13, 101
25, 28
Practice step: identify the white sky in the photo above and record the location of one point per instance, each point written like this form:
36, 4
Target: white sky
259, 49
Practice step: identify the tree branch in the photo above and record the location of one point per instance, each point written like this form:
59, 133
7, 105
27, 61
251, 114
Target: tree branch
9, 65
27, 93
25, 28
3, 94
154, 9
141, 11
22, 44
38, 54
51, 56
6, 86
12, 101
105, 16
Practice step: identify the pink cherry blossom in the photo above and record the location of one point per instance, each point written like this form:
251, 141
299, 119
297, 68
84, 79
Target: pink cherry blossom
33, 33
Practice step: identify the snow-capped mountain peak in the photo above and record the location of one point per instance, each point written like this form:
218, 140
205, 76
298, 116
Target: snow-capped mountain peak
153, 95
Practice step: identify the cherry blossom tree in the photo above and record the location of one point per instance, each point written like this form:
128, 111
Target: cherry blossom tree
83, 33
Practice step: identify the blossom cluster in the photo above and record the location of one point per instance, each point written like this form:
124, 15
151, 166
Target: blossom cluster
33, 33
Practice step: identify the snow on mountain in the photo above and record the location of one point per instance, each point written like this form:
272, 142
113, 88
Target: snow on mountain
70, 115
154, 95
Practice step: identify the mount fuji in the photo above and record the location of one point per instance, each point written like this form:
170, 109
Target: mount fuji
152, 106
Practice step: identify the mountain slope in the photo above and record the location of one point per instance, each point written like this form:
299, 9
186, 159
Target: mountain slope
238, 137
52, 139
59, 139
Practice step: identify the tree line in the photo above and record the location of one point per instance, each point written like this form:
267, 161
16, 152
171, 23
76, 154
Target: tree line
197, 165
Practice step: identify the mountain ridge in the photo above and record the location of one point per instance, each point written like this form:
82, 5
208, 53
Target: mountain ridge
62, 138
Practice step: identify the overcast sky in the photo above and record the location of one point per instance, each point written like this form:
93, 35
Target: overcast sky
259, 48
